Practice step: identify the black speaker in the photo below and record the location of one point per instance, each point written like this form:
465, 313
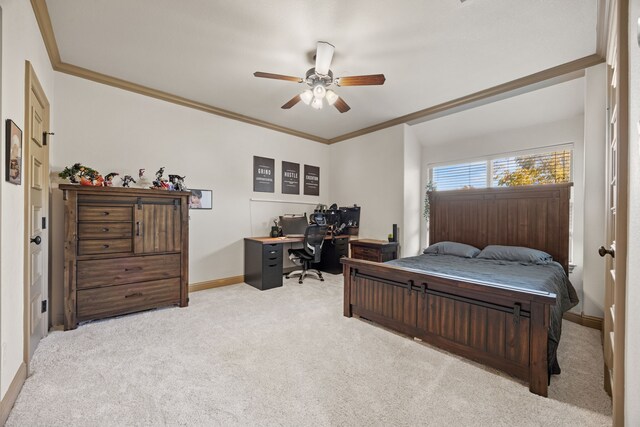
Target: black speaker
395, 232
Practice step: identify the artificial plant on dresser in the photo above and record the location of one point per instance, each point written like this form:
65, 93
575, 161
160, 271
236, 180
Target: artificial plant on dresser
126, 250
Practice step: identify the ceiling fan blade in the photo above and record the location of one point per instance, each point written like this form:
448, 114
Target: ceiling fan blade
324, 55
293, 101
371, 79
341, 105
277, 77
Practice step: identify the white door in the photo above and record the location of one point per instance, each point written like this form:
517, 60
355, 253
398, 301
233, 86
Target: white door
36, 179
615, 246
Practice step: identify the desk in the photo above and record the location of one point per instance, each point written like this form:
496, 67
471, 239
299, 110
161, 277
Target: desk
263, 258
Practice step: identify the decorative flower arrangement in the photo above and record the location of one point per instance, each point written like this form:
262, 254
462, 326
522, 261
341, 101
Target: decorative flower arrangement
83, 175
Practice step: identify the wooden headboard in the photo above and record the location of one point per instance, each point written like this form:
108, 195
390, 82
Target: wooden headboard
535, 216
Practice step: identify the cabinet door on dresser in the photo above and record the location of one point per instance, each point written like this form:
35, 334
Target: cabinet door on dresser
157, 227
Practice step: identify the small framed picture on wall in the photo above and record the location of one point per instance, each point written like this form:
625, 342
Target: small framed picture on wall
201, 199
13, 153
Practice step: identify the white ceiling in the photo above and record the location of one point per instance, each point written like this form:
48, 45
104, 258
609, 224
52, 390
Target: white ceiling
430, 51
554, 103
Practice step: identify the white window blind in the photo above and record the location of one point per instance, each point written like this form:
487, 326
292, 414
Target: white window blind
464, 175
530, 169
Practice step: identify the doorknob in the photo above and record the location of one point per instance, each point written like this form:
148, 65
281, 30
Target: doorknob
604, 251
37, 240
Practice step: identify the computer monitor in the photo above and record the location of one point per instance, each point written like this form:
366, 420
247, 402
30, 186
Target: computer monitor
293, 226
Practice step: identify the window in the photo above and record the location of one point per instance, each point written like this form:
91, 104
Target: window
521, 169
455, 177
545, 168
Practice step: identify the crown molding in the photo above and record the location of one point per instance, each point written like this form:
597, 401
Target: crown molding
478, 98
84, 73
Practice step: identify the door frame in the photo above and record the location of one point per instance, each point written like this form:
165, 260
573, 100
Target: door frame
32, 82
618, 57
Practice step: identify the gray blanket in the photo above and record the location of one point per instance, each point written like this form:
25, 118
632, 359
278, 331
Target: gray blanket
532, 277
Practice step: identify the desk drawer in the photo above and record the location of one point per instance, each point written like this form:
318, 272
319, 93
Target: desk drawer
104, 246
272, 274
269, 251
105, 213
104, 230
114, 300
107, 272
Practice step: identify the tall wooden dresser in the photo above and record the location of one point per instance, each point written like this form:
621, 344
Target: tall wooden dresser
126, 250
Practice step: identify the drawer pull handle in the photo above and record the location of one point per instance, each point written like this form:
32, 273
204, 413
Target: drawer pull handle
105, 213
273, 259
105, 246
133, 269
272, 265
134, 295
106, 230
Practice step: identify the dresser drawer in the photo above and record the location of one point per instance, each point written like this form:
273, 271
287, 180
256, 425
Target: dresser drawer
104, 230
114, 300
364, 253
104, 246
105, 213
107, 272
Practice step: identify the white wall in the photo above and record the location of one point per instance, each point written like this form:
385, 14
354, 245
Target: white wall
412, 194
21, 41
369, 171
529, 138
594, 189
115, 130
632, 332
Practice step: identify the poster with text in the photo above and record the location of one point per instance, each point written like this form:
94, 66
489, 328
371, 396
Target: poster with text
290, 178
311, 180
263, 174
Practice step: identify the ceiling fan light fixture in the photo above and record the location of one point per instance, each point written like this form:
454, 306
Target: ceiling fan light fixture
319, 91
332, 97
324, 55
317, 103
306, 96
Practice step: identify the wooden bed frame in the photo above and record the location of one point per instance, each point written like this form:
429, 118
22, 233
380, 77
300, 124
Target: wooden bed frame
499, 326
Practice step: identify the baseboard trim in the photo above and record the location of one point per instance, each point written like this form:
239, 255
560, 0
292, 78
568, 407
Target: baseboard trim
584, 320
217, 283
12, 393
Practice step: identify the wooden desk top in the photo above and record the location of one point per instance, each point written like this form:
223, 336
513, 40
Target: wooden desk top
283, 240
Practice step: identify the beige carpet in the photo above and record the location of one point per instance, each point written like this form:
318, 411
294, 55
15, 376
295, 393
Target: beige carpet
238, 356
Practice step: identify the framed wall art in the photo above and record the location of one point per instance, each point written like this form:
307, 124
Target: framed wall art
201, 199
13, 153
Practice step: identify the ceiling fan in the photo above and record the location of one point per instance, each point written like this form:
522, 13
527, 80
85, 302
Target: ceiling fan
320, 78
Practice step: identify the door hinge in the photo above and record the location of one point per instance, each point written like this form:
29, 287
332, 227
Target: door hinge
45, 139
44, 306
44, 223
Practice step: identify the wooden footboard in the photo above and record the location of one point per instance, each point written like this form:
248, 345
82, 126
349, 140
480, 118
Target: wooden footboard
498, 326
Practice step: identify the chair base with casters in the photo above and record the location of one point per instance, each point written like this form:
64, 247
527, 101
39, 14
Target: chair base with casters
306, 270
310, 252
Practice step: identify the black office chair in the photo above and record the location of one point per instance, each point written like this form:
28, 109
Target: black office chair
313, 239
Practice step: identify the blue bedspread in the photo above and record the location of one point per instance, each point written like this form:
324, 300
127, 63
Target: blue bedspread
547, 278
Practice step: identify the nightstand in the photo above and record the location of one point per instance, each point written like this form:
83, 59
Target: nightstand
374, 250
